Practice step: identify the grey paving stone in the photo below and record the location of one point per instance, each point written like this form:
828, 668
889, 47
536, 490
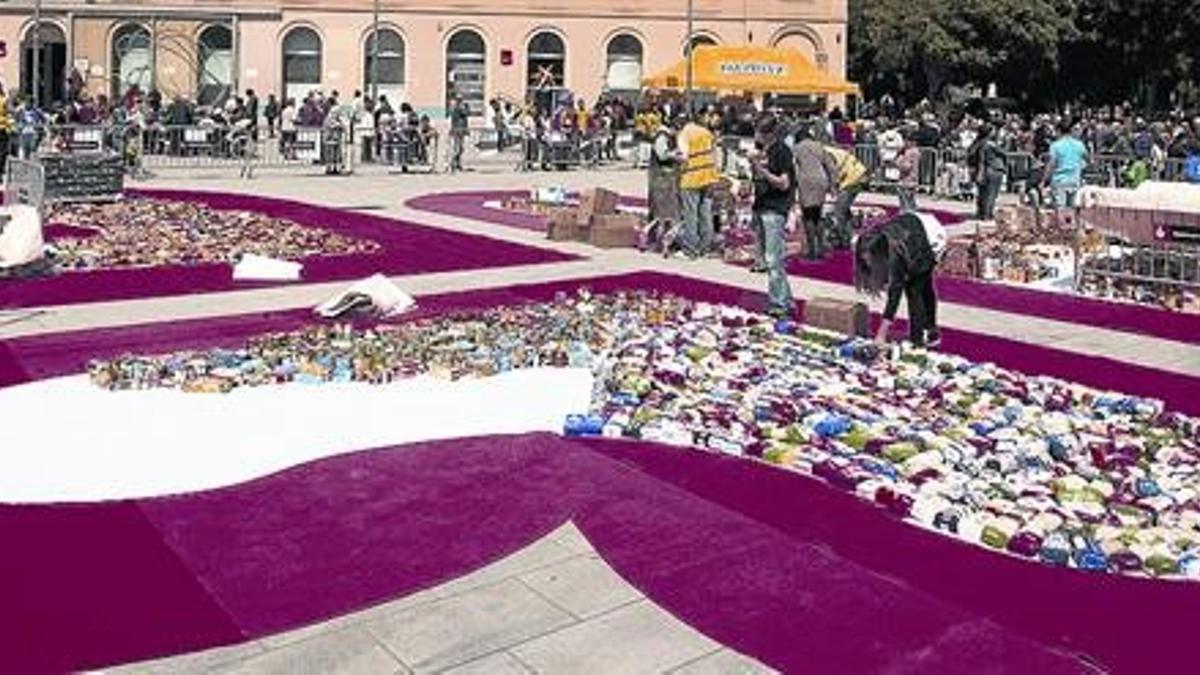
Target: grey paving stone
723, 662
348, 652
342, 622
584, 586
500, 663
542, 553
637, 638
195, 662
464, 627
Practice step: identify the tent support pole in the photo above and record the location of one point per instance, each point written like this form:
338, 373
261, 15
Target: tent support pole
690, 108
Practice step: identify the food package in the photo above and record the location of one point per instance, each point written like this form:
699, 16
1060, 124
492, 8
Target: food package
840, 316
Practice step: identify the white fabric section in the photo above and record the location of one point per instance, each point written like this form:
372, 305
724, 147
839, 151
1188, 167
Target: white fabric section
386, 297
1150, 196
67, 440
21, 236
261, 268
935, 232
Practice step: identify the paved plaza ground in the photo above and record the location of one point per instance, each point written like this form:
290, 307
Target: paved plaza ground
555, 606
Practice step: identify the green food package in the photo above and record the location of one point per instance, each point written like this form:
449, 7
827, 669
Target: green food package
898, 453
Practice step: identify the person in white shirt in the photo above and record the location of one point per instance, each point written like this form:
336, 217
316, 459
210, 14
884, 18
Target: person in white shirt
891, 143
287, 129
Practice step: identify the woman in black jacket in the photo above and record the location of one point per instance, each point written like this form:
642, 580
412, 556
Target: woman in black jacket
901, 256
988, 163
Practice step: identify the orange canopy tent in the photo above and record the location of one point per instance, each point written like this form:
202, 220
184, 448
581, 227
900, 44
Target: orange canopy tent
777, 70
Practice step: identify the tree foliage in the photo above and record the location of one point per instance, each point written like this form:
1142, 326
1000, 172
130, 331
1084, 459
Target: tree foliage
1132, 49
1037, 51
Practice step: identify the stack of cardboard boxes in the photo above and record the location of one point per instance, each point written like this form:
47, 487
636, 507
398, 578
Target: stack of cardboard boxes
596, 222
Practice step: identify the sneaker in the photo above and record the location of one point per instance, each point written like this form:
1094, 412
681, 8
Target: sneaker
758, 268
933, 339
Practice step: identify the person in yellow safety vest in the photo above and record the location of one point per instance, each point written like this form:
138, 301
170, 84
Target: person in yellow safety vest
697, 176
851, 180
6, 130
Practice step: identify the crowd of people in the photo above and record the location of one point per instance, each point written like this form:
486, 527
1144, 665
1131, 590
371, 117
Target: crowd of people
559, 131
790, 172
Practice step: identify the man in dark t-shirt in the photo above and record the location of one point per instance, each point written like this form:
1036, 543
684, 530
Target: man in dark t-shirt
774, 186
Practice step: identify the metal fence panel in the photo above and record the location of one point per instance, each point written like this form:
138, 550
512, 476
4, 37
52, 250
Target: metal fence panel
24, 182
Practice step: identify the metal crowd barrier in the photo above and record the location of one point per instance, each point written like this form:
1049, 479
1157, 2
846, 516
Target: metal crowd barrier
402, 148
941, 172
23, 182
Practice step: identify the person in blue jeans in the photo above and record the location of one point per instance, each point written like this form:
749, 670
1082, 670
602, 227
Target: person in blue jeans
1064, 170
774, 172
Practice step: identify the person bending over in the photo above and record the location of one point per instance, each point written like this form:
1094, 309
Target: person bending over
901, 256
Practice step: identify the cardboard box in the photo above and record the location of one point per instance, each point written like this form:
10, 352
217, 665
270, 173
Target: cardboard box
563, 225
961, 258
840, 316
617, 220
596, 202
614, 237
615, 231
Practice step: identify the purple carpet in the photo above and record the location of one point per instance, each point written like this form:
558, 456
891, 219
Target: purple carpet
472, 205
770, 563
837, 269
348, 532
406, 248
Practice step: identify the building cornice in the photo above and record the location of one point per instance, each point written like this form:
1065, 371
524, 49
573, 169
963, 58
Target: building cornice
226, 10
111, 11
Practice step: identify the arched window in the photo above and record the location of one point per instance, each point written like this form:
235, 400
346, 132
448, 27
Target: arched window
804, 44
51, 63
466, 68
700, 40
546, 64
131, 59
301, 62
214, 64
624, 70
388, 69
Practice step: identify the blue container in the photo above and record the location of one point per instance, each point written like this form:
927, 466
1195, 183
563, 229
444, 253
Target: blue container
1091, 558
832, 426
583, 425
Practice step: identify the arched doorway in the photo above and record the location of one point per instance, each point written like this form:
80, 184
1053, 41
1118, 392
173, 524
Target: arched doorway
545, 64
389, 66
623, 73
301, 62
214, 64
51, 64
466, 69
132, 60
